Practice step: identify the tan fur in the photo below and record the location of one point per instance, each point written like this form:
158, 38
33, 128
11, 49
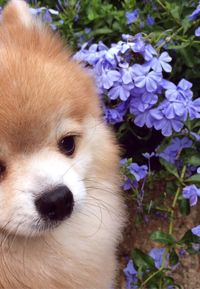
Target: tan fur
40, 87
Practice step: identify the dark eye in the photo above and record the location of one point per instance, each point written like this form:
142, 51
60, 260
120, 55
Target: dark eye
67, 145
2, 168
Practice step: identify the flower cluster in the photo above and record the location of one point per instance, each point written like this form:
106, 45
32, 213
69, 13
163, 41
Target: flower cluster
133, 173
192, 193
172, 152
133, 84
129, 77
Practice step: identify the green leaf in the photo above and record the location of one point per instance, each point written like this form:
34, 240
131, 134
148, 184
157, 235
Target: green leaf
153, 286
173, 258
180, 46
91, 14
100, 31
191, 156
186, 54
186, 24
174, 9
142, 260
189, 238
169, 167
169, 281
194, 179
195, 123
163, 238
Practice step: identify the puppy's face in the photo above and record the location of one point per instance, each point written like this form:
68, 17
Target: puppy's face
49, 118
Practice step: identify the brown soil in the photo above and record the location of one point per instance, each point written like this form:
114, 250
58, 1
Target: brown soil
137, 236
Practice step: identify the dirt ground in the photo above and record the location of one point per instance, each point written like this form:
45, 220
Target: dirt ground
136, 236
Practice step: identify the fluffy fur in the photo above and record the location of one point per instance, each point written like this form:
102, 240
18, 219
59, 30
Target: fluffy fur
44, 95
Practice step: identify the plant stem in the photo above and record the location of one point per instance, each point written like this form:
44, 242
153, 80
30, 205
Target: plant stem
167, 10
171, 224
170, 229
150, 277
161, 4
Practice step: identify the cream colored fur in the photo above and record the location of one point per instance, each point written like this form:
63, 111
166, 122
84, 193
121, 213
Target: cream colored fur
43, 96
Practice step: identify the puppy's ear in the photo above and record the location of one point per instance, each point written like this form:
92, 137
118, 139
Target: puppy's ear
17, 12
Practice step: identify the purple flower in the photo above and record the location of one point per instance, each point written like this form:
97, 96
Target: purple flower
196, 231
128, 37
131, 275
144, 118
145, 78
150, 20
192, 108
195, 135
192, 193
47, 17
161, 63
87, 30
123, 161
149, 52
107, 78
141, 103
197, 32
180, 92
127, 74
162, 43
161, 122
195, 13
180, 101
111, 55
46, 13
173, 150
148, 155
182, 252
36, 11
157, 255
139, 172
172, 109
128, 184
120, 90
115, 115
137, 44
132, 16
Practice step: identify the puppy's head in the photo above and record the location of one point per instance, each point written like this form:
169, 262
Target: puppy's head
51, 135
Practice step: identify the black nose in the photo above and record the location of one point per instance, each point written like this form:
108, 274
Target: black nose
56, 204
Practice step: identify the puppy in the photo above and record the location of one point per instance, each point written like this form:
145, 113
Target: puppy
61, 212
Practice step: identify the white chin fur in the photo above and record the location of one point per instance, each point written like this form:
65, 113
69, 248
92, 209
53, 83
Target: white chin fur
42, 171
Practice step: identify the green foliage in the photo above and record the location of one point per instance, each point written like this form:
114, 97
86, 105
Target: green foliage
163, 238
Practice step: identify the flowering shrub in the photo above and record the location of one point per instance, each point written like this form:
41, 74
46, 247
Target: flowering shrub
147, 78
131, 78
130, 73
